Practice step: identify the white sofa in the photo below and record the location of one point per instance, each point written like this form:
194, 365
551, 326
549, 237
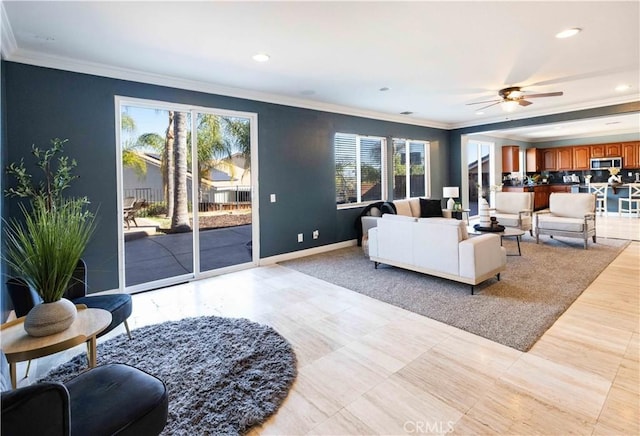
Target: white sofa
408, 207
436, 246
514, 209
572, 215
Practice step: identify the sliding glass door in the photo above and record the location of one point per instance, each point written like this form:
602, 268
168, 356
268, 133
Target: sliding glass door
480, 172
186, 192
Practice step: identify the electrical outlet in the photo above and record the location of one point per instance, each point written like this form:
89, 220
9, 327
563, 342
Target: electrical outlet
316, 234
300, 237
273, 198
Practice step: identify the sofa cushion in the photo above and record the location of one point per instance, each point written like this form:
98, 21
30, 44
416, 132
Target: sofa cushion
574, 205
403, 207
511, 220
430, 208
512, 202
550, 222
391, 217
463, 233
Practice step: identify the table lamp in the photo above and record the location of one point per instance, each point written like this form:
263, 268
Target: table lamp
451, 192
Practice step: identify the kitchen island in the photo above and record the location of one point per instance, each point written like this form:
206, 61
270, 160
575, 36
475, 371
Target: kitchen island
541, 192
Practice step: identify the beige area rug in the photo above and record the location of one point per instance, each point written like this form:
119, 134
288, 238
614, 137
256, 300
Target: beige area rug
533, 292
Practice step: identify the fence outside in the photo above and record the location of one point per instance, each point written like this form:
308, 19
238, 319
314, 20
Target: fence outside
232, 197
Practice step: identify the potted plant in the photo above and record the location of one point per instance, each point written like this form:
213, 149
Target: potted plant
44, 248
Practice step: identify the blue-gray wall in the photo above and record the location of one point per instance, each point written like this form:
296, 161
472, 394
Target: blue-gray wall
5, 304
296, 159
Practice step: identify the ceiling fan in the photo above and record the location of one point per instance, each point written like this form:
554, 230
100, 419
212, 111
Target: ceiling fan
512, 97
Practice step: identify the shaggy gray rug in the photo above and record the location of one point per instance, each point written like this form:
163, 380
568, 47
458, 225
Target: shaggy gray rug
533, 292
223, 375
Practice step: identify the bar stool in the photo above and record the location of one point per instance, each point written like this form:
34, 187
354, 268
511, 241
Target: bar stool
600, 190
633, 201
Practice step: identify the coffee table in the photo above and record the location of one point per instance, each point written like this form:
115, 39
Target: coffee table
18, 346
509, 232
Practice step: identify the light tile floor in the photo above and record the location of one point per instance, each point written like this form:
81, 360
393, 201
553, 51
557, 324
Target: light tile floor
366, 367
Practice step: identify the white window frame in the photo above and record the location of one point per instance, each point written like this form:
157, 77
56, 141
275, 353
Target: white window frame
383, 170
407, 164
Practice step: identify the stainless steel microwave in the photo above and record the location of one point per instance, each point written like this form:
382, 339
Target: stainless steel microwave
604, 163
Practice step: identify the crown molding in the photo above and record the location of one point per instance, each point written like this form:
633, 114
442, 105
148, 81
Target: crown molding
513, 116
97, 69
8, 43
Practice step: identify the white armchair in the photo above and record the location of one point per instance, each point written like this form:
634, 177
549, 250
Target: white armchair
514, 209
570, 215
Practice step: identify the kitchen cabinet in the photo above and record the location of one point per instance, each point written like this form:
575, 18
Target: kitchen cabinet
559, 188
510, 158
613, 150
517, 189
564, 158
534, 160
630, 155
581, 157
549, 159
606, 150
540, 197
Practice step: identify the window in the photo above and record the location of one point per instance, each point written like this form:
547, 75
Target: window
359, 168
410, 170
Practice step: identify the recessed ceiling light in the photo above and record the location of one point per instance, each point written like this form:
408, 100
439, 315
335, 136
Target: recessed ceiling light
624, 87
479, 112
383, 89
567, 33
261, 57
406, 113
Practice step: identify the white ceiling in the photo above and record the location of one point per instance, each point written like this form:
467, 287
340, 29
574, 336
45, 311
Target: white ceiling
436, 56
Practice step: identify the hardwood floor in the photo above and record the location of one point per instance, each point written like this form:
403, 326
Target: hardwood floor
366, 367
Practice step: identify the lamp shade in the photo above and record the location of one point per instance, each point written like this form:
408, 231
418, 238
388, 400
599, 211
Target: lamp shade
450, 192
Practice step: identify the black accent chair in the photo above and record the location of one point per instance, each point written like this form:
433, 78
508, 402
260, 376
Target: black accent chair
119, 305
106, 400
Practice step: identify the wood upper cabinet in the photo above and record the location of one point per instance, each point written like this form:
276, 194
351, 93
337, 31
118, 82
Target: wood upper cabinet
613, 150
581, 157
549, 159
510, 158
597, 150
630, 155
606, 150
534, 160
564, 158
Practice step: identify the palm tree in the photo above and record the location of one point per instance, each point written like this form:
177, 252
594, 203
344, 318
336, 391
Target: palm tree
180, 216
130, 158
237, 138
168, 166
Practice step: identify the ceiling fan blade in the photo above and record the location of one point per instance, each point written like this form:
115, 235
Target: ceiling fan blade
492, 104
547, 94
524, 102
486, 101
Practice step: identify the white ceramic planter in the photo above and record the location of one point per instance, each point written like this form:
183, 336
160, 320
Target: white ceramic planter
46, 319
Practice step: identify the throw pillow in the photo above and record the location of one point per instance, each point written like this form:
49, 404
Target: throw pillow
430, 208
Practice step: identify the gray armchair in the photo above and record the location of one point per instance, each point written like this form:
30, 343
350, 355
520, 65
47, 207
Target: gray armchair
570, 215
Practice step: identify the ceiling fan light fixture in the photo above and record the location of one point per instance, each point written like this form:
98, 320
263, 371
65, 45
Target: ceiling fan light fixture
509, 105
261, 57
568, 33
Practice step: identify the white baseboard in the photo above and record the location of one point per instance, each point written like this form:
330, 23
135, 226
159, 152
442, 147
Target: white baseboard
308, 252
